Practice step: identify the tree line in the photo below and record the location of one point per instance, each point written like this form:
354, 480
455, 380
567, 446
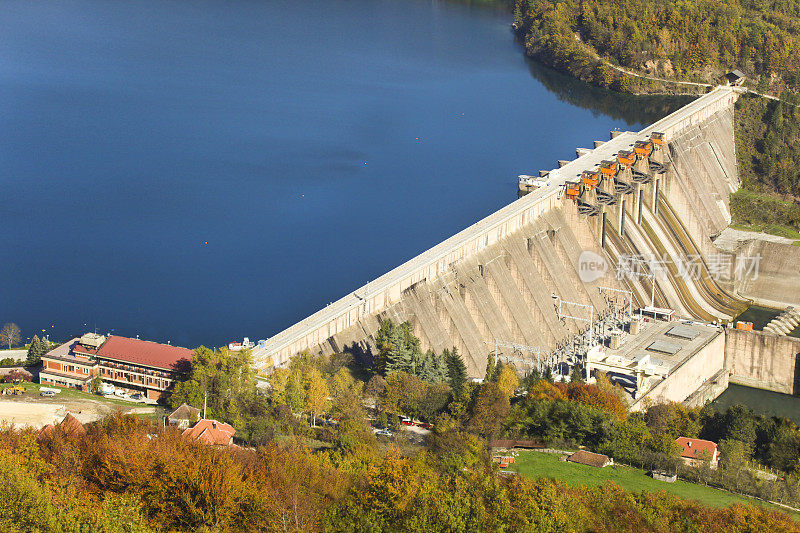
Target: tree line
127, 474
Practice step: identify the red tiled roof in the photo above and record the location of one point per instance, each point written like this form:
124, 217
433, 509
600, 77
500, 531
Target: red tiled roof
694, 448
71, 425
79, 348
144, 353
211, 432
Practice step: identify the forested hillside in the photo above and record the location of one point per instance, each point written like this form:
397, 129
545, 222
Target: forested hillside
673, 39
624, 44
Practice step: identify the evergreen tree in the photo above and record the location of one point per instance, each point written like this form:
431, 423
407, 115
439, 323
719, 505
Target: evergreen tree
531, 379
548, 375
35, 352
385, 340
456, 371
398, 349
576, 375
490, 367
433, 368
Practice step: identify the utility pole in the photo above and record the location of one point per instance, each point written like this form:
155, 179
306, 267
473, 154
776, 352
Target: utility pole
205, 403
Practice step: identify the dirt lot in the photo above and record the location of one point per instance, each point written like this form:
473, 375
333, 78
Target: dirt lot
31, 409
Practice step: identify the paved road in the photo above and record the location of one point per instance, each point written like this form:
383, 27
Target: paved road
18, 355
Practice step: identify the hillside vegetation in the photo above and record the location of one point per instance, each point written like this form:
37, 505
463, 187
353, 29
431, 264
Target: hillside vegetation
637, 46
124, 475
673, 39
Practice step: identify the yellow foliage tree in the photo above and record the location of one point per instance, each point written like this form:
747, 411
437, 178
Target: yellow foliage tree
316, 394
507, 381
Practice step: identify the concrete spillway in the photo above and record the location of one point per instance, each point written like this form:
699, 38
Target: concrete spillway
504, 278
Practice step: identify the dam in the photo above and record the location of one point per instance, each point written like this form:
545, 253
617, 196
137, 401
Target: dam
651, 201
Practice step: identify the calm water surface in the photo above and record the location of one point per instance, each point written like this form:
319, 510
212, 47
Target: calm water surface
764, 402
201, 171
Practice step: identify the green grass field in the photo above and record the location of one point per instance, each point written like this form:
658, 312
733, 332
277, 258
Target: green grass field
537, 464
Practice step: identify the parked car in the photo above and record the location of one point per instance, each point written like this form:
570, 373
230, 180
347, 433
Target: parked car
384, 432
47, 393
139, 397
407, 422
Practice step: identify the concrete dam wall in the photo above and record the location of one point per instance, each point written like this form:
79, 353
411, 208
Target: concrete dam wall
503, 278
763, 360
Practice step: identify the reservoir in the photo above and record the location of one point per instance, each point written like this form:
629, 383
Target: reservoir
199, 172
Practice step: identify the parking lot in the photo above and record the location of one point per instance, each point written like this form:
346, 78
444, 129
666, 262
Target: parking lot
31, 409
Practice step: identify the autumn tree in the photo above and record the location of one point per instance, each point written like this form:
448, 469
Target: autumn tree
10, 334
507, 380
316, 394
490, 410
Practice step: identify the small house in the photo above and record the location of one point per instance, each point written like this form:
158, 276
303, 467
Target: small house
211, 432
695, 451
184, 416
735, 77
590, 459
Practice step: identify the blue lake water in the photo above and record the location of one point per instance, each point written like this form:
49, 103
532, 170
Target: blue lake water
201, 171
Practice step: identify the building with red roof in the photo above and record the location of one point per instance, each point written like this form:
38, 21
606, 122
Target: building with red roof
130, 365
211, 432
695, 451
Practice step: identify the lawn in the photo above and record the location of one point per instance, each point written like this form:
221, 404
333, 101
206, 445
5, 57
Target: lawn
537, 464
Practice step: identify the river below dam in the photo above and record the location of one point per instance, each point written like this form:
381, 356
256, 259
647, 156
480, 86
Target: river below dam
199, 172
761, 401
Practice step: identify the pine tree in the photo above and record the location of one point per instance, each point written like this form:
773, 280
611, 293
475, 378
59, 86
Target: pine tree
384, 340
35, 352
490, 367
432, 368
456, 371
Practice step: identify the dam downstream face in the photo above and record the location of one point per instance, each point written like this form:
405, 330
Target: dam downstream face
196, 173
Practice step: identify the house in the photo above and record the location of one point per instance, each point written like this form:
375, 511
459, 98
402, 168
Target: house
131, 365
68, 426
211, 432
590, 459
184, 416
735, 77
695, 451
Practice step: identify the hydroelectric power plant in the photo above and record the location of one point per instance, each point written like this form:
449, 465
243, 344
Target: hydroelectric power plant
609, 262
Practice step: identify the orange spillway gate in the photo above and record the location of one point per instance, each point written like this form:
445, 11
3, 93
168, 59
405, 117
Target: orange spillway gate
590, 178
609, 168
625, 158
643, 148
573, 189
658, 140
